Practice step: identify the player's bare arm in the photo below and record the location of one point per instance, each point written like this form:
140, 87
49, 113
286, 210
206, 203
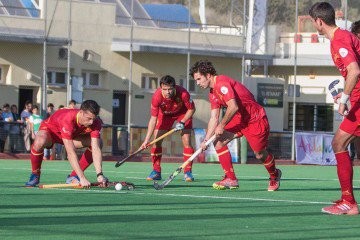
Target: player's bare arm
97, 158
353, 73
232, 108
189, 113
150, 131
74, 162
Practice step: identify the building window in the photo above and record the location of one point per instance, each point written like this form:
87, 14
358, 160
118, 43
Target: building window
149, 82
192, 84
56, 77
312, 117
91, 79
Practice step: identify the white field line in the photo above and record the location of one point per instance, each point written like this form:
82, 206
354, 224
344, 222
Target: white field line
164, 174
190, 196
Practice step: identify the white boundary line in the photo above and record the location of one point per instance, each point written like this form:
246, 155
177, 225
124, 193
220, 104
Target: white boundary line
190, 196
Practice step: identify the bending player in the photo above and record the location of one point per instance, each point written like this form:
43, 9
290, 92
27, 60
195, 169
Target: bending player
75, 128
170, 103
345, 52
243, 116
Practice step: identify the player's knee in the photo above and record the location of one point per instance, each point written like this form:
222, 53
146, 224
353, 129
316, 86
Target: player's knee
261, 155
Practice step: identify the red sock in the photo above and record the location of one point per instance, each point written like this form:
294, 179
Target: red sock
156, 154
225, 161
269, 164
187, 154
85, 161
345, 175
36, 160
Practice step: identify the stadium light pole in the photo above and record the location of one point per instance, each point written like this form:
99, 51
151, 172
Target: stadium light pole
43, 92
188, 49
68, 81
130, 71
294, 90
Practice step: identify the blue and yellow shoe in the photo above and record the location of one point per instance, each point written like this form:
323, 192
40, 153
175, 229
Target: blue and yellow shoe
154, 175
33, 180
188, 177
72, 180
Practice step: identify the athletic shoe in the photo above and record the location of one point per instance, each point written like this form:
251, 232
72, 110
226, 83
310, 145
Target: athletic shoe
33, 181
226, 183
154, 175
342, 207
274, 183
188, 177
72, 180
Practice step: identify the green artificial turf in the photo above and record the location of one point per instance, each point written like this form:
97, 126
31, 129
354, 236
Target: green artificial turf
179, 211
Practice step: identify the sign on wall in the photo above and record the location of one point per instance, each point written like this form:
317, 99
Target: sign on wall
270, 95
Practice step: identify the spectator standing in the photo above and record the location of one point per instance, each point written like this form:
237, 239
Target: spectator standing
8, 119
72, 104
35, 120
49, 154
25, 115
15, 141
2, 142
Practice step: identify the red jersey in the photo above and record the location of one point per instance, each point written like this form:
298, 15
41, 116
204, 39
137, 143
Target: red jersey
225, 89
64, 123
345, 49
178, 104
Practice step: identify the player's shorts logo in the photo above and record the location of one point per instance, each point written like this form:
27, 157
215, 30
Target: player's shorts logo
224, 90
343, 52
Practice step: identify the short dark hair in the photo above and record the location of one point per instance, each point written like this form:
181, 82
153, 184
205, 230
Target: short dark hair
91, 106
323, 10
50, 105
72, 101
355, 27
36, 107
28, 102
203, 67
6, 105
167, 80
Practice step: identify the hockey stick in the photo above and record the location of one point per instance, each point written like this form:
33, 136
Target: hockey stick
126, 185
119, 163
158, 186
332, 89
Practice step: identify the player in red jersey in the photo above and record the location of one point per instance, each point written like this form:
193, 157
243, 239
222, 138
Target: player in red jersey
170, 103
243, 117
345, 52
75, 128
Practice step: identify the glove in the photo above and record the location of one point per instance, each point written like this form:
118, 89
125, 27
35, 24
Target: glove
179, 126
102, 180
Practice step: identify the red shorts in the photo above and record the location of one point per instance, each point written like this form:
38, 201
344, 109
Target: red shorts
256, 133
55, 138
165, 122
351, 123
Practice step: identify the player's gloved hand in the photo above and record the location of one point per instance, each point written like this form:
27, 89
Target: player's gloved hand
102, 180
179, 126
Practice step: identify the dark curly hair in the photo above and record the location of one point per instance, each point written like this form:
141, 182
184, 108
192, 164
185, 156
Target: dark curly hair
203, 67
355, 27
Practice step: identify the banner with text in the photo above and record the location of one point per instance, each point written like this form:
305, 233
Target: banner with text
314, 148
